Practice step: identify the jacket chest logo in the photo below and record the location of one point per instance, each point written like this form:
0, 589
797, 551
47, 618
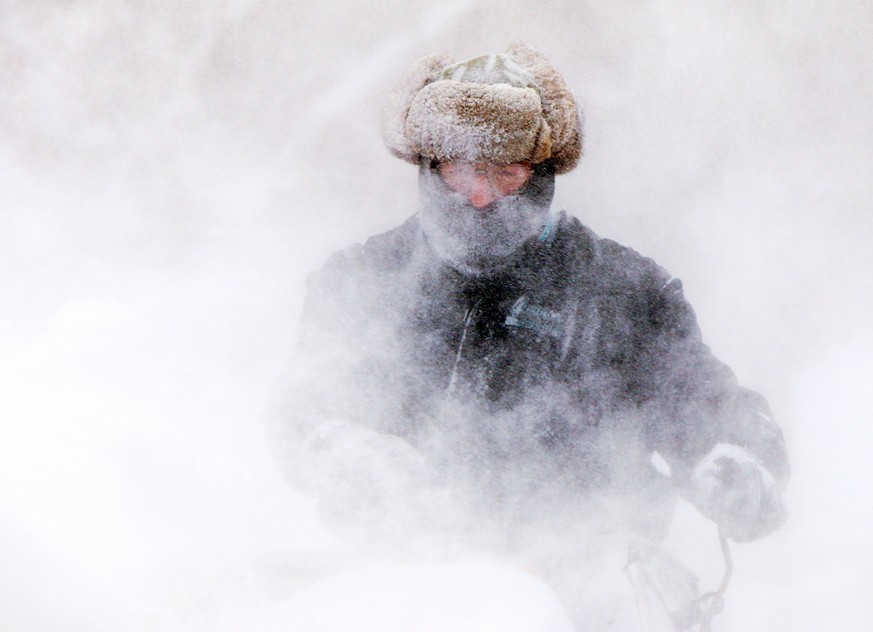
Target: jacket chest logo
526, 315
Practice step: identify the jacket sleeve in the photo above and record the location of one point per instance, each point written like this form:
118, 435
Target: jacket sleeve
319, 383
336, 372
695, 400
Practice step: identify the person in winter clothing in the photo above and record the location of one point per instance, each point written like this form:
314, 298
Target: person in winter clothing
544, 379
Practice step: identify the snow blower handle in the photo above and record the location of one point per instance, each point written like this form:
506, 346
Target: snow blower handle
711, 603
666, 590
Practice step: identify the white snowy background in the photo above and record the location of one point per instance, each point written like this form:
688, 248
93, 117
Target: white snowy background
170, 172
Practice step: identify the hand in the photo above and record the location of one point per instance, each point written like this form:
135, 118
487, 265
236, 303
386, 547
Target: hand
731, 488
363, 477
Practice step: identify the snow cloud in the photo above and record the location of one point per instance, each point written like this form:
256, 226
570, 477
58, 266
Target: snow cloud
170, 173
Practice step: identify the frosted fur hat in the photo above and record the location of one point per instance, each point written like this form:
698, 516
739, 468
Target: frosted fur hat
499, 108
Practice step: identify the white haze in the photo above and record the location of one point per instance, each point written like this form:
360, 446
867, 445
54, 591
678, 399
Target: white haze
170, 172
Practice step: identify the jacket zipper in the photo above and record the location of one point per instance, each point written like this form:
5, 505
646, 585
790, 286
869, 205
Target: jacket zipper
469, 315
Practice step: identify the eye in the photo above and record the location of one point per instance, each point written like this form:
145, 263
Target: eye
511, 178
456, 175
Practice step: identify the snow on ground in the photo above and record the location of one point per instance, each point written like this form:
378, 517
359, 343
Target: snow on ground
170, 172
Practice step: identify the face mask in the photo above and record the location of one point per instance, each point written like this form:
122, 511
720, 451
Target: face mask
481, 241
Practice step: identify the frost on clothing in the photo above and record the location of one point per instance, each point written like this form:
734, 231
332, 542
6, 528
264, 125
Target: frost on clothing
476, 242
528, 392
504, 108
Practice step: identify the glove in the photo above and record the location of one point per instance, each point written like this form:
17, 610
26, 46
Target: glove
363, 478
732, 489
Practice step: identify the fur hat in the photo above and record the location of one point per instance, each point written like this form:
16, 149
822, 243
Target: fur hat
501, 108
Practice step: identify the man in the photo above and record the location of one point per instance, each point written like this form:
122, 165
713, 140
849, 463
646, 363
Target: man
494, 369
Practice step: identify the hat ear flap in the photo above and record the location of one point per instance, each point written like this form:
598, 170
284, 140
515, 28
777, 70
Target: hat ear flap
543, 144
425, 71
559, 106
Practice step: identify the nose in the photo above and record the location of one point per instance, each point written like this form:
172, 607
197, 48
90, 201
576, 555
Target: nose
482, 193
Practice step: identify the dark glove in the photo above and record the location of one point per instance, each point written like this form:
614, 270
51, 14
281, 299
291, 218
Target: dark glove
731, 488
363, 478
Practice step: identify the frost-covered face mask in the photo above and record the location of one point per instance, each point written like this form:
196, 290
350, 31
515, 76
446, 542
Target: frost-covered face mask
479, 241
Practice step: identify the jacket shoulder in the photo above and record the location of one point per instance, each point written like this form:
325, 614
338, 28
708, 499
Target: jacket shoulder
612, 264
380, 253
378, 256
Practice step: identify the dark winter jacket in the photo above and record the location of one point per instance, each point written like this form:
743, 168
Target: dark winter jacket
566, 373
